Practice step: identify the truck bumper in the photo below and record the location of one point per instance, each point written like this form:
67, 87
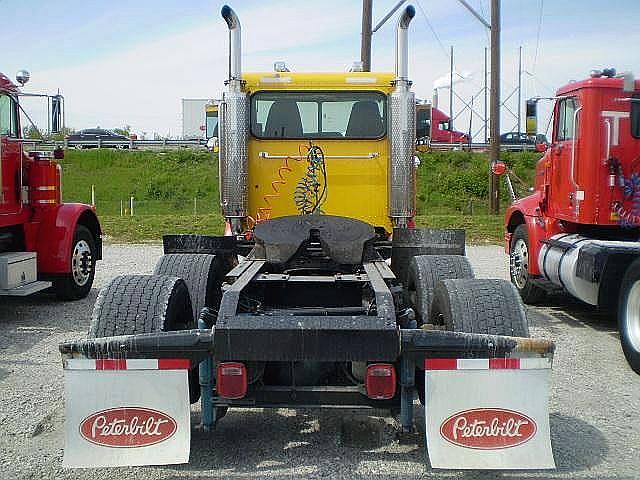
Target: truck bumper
197, 345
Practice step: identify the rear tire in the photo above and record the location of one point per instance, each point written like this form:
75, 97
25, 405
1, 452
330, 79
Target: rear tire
202, 275
133, 304
479, 306
77, 283
629, 315
425, 271
519, 267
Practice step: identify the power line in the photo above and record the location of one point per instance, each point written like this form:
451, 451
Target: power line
535, 56
426, 18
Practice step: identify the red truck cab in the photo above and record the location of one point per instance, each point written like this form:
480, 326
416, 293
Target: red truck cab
43, 241
580, 228
435, 125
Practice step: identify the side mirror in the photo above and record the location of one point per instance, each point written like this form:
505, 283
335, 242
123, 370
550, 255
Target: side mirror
56, 114
58, 153
498, 168
532, 117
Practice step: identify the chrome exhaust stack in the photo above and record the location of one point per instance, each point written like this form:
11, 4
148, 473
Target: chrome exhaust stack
402, 44
402, 131
235, 44
234, 132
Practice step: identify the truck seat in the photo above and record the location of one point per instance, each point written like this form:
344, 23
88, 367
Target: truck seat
365, 120
283, 120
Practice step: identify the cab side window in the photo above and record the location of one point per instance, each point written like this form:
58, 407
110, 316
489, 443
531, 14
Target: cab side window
635, 116
8, 120
565, 129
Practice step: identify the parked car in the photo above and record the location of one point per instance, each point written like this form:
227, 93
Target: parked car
95, 134
515, 138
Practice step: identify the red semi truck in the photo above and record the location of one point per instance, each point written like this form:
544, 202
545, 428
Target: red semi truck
43, 242
580, 228
435, 125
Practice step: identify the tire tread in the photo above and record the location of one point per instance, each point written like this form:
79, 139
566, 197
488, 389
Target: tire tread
132, 304
425, 271
488, 306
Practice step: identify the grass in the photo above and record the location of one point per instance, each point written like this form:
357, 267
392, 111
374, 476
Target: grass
160, 182
176, 191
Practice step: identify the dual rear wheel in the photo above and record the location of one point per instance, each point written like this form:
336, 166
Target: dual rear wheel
171, 299
445, 294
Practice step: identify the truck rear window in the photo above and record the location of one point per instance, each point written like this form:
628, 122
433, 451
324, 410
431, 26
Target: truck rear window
328, 115
635, 115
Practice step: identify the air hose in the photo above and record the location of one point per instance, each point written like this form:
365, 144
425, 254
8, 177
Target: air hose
311, 190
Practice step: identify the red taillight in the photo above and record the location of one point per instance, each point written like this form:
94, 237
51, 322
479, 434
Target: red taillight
380, 381
231, 380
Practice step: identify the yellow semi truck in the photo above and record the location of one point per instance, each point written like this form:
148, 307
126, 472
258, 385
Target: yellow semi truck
322, 293
211, 125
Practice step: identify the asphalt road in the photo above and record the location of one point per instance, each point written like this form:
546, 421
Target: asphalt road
594, 411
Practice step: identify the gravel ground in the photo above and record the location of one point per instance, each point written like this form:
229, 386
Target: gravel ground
595, 403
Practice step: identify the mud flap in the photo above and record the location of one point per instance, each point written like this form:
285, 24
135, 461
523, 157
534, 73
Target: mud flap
126, 412
488, 413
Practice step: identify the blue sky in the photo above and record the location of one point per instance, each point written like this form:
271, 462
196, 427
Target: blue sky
131, 61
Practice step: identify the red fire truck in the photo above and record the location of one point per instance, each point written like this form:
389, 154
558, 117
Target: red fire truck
580, 229
43, 242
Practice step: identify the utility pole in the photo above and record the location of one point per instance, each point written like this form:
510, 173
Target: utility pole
494, 127
365, 46
520, 91
486, 94
494, 149
451, 113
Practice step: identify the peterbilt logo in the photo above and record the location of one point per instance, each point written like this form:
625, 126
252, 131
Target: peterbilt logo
488, 428
127, 427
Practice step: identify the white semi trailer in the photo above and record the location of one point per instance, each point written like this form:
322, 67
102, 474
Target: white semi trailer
193, 118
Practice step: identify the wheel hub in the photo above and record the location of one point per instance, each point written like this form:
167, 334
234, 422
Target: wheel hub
519, 263
632, 316
81, 263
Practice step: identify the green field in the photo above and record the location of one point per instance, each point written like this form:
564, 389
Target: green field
177, 191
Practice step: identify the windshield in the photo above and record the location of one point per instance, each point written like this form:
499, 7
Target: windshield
318, 115
445, 125
423, 123
212, 124
8, 123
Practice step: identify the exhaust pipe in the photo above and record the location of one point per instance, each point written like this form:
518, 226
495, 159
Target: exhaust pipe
402, 44
402, 131
234, 133
235, 43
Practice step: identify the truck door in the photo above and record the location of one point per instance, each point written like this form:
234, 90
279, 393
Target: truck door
565, 194
10, 155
